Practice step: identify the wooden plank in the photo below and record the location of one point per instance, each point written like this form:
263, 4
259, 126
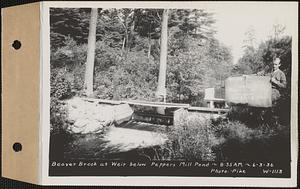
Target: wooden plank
206, 109
215, 99
157, 104
103, 101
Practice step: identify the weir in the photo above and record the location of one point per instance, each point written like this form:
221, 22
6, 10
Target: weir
145, 111
114, 129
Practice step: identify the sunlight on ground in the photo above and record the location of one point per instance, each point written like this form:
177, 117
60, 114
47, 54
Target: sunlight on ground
128, 139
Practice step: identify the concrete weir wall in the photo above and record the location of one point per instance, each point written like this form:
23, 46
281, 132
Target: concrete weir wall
91, 117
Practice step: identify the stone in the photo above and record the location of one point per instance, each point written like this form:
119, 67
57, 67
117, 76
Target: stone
99, 129
76, 130
180, 117
105, 113
81, 122
92, 126
91, 117
73, 114
122, 113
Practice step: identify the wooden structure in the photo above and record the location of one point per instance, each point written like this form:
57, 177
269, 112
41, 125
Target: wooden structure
145, 111
157, 104
211, 99
252, 90
208, 110
160, 105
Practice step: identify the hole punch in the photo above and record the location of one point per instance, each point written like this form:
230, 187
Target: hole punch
16, 44
17, 147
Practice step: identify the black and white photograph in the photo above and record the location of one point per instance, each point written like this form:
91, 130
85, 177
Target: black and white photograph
203, 91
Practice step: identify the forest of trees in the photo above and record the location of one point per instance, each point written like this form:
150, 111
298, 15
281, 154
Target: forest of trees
128, 49
127, 53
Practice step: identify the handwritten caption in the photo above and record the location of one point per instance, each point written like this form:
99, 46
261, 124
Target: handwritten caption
214, 168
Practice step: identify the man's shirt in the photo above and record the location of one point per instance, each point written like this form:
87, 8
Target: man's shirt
279, 76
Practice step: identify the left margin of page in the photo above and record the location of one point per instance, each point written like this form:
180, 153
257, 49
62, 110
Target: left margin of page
21, 93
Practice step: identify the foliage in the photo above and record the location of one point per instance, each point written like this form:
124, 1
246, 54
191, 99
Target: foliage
190, 141
69, 55
134, 77
60, 89
248, 131
60, 86
60, 137
127, 53
58, 115
195, 22
68, 22
277, 48
261, 59
227, 139
198, 65
251, 116
241, 143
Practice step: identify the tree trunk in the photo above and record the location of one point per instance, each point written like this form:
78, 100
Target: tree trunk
149, 48
123, 46
131, 32
89, 72
161, 88
126, 35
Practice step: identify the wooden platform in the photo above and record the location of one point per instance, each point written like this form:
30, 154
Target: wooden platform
103, 101
159, 104
208, 110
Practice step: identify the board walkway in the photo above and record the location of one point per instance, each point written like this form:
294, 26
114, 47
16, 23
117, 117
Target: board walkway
159, 105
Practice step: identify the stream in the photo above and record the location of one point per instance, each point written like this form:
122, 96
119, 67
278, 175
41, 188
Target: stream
130, 140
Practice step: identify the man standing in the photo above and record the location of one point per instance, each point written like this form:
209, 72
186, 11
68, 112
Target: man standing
278, 81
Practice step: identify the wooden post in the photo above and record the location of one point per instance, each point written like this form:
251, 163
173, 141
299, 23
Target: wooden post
89, 72
211, 104
161, 92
